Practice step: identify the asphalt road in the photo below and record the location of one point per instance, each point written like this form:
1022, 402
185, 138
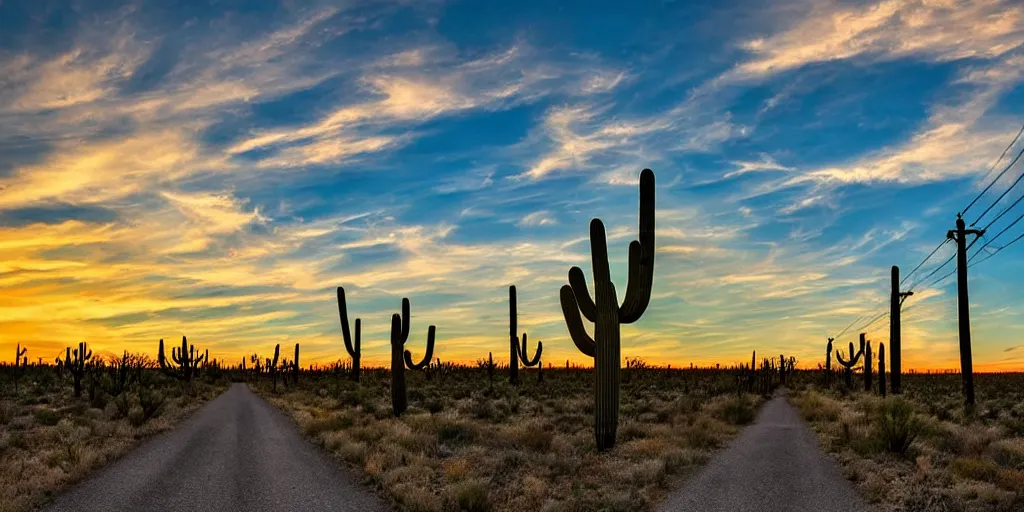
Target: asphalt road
775, 465
237, 453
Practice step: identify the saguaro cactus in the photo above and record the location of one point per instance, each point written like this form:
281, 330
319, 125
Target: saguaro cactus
828, 355
187, 359
881, 369
401, 358
272, 365
517, 354
65, 365
352, 346
81, 355
605, 312
295, 365
20, 365
868, 362
852, 362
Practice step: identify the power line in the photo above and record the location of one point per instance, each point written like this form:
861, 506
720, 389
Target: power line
935, 250
1007, 191
874, 321
993, 239
1005, 210
836, 337
933, 272
1015, 240
1000, 159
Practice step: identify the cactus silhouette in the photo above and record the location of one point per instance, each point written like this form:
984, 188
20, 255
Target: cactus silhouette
517, 354
65, 365
272, 365
868, 361
184, 362
881, 369
605, 312
20, 365
852, 362
81, 355
295, 365
352, 346
828, 356
400, 360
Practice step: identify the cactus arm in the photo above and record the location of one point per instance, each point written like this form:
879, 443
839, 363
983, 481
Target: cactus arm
426, 356
571, 312
641, 256
578, 281
523, 351
345, 333
599, 253
355, 356
406, 315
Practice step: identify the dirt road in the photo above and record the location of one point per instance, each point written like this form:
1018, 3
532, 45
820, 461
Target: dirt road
237, 453
775, 465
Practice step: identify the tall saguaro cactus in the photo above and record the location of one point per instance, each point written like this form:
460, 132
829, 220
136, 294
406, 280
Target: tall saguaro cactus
828, 355
295, 365
606, 313
351, 345
272, 365
401, 358
81, 355
881, 369
517, 354
852, 362
868, 362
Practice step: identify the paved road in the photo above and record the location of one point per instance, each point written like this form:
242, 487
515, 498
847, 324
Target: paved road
775, 465
237, 453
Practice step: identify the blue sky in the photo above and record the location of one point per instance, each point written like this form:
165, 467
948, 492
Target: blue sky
216, 169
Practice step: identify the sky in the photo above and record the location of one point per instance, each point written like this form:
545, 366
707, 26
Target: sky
217, 169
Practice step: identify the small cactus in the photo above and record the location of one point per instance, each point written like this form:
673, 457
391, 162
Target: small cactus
854, 358
606, 313
400, 358
352, 346
517, 354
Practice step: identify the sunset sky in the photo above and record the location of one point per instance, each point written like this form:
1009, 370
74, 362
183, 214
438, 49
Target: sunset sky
216, 169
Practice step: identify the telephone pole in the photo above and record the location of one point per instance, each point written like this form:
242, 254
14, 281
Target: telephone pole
959, 235
895, 333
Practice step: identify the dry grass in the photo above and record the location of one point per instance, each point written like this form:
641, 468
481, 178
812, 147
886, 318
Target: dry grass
49, 439
924, 450
530, 448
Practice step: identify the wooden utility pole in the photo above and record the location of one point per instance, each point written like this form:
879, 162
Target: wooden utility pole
963, 306
895, 334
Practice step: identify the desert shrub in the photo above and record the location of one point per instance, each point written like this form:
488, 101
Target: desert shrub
454, 432
471, 496
48, 417
896, 426
327, 424
136, 416
151, 402
123, 405
6, 412
434, 405
737, 410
